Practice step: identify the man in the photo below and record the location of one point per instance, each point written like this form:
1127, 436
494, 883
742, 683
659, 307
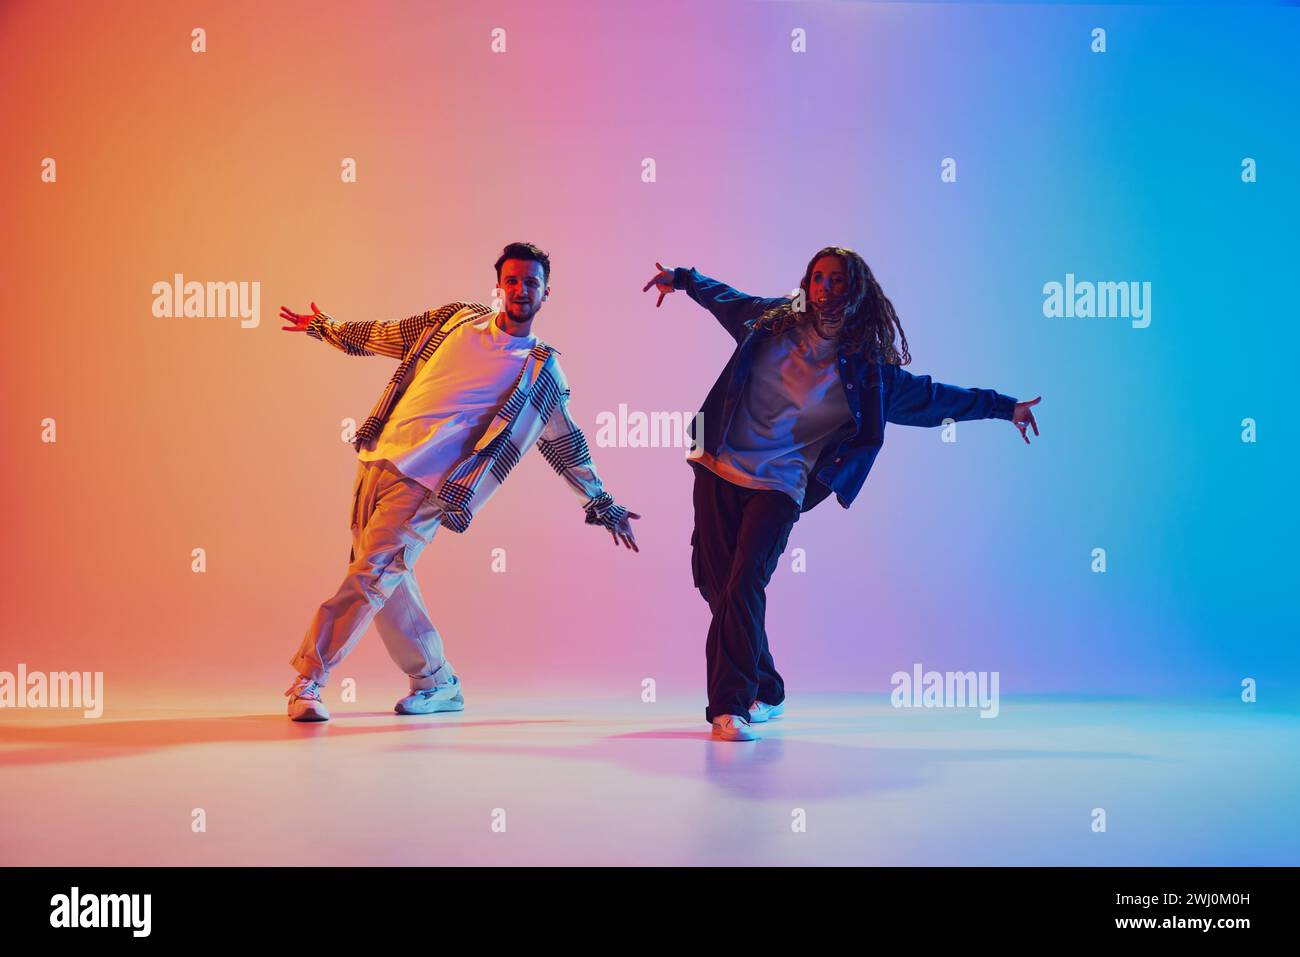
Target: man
475, 389
798, 412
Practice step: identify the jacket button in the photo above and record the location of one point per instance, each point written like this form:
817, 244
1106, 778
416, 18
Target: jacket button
838, 461
849, 386
843, 360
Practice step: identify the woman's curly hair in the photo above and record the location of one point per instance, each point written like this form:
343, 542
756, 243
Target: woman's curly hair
871, 326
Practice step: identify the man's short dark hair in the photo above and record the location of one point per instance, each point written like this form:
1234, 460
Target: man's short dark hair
526, 251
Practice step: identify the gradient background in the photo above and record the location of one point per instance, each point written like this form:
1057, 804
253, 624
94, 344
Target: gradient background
183, 433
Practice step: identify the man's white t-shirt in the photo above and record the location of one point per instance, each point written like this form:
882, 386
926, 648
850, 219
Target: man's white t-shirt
451, 400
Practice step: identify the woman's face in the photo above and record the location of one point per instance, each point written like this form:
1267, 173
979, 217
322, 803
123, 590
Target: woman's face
828, 284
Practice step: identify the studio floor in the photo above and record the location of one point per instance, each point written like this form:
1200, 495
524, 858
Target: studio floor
840, 780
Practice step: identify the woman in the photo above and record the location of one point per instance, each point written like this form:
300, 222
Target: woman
798, 412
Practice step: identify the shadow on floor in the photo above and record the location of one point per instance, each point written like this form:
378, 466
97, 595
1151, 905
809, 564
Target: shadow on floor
91, 741
777, 767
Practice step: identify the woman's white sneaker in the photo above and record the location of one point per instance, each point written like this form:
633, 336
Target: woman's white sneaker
733, 727
304, 701
760, 712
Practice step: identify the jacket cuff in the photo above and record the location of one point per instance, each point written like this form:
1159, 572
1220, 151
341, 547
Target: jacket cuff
601, 510
316, 327
681, 275
1004, 407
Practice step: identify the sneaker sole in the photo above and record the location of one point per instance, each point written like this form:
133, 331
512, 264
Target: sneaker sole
730, 737
437, 707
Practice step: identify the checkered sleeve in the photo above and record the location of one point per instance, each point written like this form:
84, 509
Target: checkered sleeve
371, 337
564, 446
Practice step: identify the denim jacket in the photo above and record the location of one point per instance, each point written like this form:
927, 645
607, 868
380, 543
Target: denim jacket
877, 392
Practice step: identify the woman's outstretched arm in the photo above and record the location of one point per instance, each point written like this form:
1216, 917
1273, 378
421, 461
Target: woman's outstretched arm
731, 307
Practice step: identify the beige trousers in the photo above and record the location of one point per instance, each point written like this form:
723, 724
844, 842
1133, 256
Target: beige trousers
393, 519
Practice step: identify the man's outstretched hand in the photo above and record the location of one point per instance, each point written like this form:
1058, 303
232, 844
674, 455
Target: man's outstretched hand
623, 532
299, 322
663, 280
1023, 418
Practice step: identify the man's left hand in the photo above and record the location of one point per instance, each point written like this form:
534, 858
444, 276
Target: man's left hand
623, 532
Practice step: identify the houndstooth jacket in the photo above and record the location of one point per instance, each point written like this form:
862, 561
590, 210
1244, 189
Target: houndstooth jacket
536, 411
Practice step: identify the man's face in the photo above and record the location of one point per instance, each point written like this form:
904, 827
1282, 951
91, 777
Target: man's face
829, 284
523, 288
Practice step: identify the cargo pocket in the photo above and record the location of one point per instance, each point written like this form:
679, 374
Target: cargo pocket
352, 517
356, 494
779, 542
695, 557
697, 570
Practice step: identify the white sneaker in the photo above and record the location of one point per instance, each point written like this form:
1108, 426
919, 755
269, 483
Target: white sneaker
760, 711
443, 697
304, 701
733, 727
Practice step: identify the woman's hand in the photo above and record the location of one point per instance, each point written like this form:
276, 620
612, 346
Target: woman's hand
663, 280
1023, 418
